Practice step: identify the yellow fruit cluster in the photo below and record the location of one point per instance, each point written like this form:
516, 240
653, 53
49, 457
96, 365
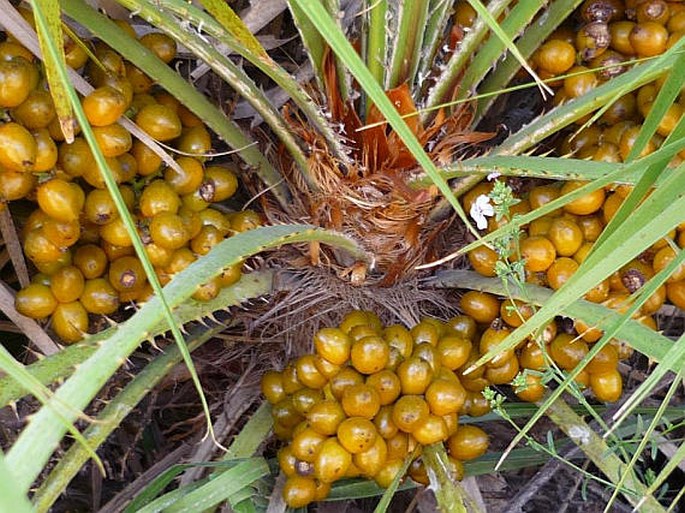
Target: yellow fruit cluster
591, 47
611, 33
553, 246
368, 397
76, 238
594, 45
534, 356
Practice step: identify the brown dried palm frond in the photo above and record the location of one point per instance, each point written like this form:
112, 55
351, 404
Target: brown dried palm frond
375, 206
371, 200
311, 298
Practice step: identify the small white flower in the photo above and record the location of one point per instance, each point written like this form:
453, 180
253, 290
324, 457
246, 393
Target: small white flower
579, 434
481, 209
493, 176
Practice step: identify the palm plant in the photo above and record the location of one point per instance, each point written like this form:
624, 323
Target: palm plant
373, 155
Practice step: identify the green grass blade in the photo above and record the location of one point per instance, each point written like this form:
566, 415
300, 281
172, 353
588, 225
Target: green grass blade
599, 453
515, 22
439, 13
348, 489
246, 506
516, 410
110, 418
675, 501
389, 493
649, 177
10, 498
147, 497
555, 13
376, 59
407, 38
375, 93
157, 486
49, 26
78, 41
663, 101
672, 464
221, 487
518, 459
312, 41
676, 353
646, 438
39, 439
60, 365
111, 34
548, 168
252, 435
168, 499
449, 79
